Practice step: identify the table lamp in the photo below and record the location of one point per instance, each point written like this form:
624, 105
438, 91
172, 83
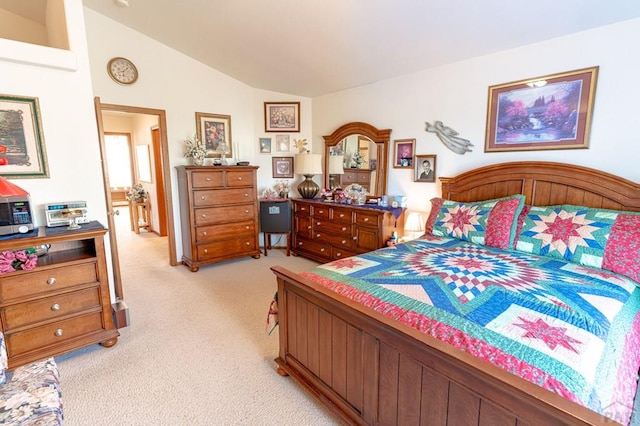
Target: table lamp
414, 225
308, 165
336, 167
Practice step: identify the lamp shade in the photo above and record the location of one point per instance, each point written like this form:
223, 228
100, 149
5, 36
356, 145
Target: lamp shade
308, 164
336, 165
414, 224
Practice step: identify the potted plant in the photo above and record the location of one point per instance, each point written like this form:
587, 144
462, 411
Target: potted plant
196, 150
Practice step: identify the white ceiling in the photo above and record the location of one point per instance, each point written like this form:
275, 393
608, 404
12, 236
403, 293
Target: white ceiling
314, 47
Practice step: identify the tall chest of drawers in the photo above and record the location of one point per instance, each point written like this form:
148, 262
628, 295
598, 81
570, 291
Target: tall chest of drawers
64, 303
325, 231
219, 213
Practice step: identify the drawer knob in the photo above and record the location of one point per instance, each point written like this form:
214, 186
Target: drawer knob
344, 229
321, 250
247, 227
320, 211
206, 250
317, 235
300, 243
51, 281
344, 241
317, 223
303, 208
204, 233
366, 219
246, 211
203, 215
309, 227
338, 254
246, 195
341, 214
202, 197
58, 332
355, 238
247, 243
55, 307
208, 179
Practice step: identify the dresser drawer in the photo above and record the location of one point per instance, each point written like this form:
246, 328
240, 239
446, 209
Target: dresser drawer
302, 226
223, 248
339, 253
225, 230
51, 307
342, 241
317, 248
239, 178
214, 215
302, 208
341, 214
342, 229
321, 212
206, 179
51, 334
366, 219
222, 196
49, 280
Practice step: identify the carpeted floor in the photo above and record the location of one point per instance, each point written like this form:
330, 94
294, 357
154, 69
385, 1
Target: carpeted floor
196, 352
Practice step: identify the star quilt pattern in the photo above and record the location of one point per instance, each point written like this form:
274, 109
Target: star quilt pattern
571, 329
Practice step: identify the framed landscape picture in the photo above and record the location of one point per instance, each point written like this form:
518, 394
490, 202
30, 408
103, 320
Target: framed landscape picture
550, 112
265, 145
282, 116
22, 149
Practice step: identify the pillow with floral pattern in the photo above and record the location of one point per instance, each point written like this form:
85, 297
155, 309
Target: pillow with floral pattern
490, 223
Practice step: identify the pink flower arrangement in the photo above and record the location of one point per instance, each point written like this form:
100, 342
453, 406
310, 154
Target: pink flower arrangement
17, 260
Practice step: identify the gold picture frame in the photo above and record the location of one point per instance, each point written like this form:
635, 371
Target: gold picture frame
213, 129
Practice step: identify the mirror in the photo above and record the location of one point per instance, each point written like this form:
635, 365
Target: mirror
371, 144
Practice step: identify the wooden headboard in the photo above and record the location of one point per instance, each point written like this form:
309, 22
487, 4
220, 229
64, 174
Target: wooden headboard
543, 184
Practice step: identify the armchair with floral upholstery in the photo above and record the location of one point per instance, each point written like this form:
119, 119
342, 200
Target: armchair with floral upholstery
31, 395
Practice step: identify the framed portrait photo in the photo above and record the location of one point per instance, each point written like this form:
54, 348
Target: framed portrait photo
403, 151
282, 116
550, 112
214, 130
22, 149
282, 167
265, 145
283, 143
425, 168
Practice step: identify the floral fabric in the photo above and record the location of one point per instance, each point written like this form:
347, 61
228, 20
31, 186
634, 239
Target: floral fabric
32, 396
489, 223
599, 238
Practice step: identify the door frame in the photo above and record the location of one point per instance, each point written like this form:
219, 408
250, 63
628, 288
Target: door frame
168, 206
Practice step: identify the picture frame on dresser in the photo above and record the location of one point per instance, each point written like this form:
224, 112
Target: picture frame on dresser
214, 129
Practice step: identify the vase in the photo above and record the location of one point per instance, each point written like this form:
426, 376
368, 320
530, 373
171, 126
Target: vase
198, 160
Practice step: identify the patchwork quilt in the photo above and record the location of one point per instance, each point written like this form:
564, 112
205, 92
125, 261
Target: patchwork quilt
572, 329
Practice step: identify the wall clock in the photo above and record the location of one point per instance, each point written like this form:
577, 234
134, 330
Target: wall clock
122, 71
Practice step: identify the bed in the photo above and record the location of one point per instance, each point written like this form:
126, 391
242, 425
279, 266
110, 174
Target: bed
368, 368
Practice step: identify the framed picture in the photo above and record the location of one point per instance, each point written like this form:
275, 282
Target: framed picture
403, 153
550, 112
425, 168
22, 149
283, 143
265, 145
282, 167
282, 116
214, 130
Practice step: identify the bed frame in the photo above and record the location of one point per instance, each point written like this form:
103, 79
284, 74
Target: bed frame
367, 369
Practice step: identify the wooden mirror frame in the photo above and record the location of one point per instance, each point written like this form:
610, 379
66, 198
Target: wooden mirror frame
379, 137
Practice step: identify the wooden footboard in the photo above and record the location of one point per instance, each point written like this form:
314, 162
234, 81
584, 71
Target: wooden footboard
366, 369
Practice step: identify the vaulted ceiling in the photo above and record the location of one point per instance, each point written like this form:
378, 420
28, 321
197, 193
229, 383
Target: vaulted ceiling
314, 47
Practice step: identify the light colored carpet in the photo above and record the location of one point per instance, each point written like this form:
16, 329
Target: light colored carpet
196, 352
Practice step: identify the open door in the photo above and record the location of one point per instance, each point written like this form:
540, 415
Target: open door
162, 170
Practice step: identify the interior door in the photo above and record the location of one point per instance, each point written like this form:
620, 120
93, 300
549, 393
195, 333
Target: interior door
159, 181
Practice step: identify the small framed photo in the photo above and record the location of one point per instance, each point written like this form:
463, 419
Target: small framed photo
425, 168
265, 145
404, 150
214, 129
22, 149
282, 167
283, 143
550, 112
282, 116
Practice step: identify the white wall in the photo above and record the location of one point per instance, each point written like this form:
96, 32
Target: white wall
457, 95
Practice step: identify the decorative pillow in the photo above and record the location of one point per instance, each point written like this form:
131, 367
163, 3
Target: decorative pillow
599, 238
490, 223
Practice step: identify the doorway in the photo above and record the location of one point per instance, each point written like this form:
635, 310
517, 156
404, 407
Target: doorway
159, 185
